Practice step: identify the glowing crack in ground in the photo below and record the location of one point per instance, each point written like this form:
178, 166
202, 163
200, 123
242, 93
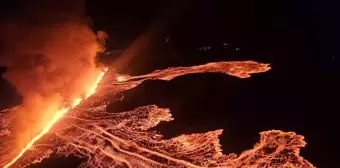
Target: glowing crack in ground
124, 139
57, 116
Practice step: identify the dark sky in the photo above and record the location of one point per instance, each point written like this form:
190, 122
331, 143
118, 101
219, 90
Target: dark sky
299, 38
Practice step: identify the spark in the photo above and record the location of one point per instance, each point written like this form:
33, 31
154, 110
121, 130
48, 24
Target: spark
59, 114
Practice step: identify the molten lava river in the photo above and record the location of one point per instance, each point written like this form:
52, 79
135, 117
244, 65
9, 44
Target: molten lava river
87, 130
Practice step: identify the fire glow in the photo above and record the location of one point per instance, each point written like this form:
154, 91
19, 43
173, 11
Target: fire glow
57, 116
125, 139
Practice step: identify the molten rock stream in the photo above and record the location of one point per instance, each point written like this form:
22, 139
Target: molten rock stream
124, 139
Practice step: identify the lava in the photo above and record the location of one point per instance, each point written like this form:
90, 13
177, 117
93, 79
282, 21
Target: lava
121, 79
57, 116
125, 140
95, 85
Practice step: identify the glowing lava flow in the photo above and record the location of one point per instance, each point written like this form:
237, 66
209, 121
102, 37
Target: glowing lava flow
109, 138
95, 85
59, 114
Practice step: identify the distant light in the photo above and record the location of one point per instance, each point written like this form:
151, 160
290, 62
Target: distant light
225, 44
238, 49
167, 39
205, 48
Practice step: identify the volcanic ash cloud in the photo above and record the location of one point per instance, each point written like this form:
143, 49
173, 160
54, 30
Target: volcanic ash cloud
50, 64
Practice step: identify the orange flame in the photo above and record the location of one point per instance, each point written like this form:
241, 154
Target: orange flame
59, 114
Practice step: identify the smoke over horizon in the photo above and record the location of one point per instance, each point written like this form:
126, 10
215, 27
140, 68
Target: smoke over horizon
49, 51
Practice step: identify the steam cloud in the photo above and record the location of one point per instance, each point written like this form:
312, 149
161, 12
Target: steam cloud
50, 55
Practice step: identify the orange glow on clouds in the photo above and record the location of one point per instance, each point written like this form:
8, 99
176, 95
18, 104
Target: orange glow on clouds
57, 116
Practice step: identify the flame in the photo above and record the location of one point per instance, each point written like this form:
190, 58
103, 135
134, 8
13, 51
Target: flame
59, 114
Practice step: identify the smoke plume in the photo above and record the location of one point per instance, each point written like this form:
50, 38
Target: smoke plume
50, 52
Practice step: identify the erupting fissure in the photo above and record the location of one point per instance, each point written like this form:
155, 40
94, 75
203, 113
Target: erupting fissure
58, 114
124, 139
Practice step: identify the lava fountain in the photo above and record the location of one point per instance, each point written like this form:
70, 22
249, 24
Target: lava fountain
57, 116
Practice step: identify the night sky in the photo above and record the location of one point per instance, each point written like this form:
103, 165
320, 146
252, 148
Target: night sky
300, 39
